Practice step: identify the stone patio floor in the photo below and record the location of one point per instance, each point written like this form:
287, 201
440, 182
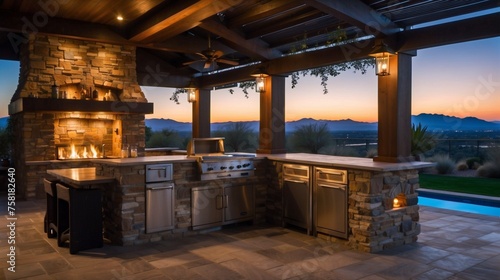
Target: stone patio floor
452, 245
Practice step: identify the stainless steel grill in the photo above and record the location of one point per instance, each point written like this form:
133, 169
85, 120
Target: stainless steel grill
214, 163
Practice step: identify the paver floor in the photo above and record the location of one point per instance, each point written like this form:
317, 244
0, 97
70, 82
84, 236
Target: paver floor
452, 245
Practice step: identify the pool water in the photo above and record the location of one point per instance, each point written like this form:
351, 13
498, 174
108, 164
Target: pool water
459, 206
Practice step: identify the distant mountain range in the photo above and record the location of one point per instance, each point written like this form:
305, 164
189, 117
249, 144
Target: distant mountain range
434, 122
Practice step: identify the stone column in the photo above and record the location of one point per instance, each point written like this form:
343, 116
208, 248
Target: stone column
201, 114
394, 111
272, 117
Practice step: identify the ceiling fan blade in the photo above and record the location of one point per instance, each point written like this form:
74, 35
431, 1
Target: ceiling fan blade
218, 54
191, 62
202, 55
227, 61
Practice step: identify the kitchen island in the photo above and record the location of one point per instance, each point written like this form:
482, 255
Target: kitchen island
373, 223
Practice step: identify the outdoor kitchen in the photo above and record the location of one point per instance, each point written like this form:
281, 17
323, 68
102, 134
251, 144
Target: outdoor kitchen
88, 112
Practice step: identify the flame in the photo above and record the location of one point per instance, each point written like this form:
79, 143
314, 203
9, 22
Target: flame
79, 152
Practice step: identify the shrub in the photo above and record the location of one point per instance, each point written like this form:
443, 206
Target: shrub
444, 164
371, 153
462, 165
473, 162
489, 170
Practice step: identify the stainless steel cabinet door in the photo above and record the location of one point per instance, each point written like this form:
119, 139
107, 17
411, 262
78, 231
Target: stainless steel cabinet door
159, 207
239, 203
206, 207
331, 209
296, 202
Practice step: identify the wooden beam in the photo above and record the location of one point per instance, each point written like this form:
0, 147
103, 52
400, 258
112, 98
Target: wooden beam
487, 26
180, 17
357, 13
263, 10
477, 28
20, 27
251, 48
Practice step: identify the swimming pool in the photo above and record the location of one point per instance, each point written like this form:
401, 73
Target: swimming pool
459, 206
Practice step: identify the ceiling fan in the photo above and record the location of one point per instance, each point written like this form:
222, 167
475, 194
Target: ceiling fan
211, 57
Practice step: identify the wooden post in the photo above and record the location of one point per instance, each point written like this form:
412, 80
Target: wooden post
201, 114
394, 111
272, 117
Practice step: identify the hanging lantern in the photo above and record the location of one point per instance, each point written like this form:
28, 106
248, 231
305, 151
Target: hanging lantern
382, 52
191, 92
260, 79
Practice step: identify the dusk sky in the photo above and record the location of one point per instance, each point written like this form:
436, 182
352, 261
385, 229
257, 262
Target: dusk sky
459, 80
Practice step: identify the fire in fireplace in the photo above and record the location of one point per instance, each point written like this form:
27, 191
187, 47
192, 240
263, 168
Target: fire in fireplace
79, 151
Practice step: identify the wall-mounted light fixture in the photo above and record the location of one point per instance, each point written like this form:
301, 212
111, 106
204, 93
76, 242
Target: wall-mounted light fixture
260, 79
191, 92
382, 52
396, 203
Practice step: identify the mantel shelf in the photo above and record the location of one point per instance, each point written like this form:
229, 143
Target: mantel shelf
76, 105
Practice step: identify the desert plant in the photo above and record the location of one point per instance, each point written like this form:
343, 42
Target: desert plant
444, 164
421, 140
311, 137
239, 137
371, 153
462, 165
491, 168
473, 162
164, 138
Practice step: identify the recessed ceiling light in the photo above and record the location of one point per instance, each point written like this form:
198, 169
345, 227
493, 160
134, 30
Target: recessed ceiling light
120, 18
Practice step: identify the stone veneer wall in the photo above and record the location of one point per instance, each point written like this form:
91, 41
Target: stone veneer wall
71, 64
48, 59
124, 202
373, 223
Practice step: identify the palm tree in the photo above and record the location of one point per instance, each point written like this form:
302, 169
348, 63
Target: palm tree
421, 140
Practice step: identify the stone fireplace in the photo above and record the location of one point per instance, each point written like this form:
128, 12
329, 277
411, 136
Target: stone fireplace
77, 98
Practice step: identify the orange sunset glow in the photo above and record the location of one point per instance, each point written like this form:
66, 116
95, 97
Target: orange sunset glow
458, 80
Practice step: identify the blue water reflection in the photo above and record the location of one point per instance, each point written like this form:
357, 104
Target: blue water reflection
459, 206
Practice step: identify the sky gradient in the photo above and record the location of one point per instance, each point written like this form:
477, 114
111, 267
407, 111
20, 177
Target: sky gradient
458, 80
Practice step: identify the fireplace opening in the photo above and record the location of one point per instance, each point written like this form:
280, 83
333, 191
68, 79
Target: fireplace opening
85, 151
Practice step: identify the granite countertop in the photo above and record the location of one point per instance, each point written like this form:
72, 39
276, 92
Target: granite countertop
347, 162
298, 158
144, 160
80, 177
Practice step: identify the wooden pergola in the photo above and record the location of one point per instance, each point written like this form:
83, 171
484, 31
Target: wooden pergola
170, 35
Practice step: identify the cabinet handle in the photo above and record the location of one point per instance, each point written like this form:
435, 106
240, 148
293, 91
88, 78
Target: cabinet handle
296, 181
332, 173
339, 187
226, 201
219, 202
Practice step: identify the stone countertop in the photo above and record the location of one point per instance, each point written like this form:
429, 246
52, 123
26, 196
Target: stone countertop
347, 162
144, 160
298, 158
80, 177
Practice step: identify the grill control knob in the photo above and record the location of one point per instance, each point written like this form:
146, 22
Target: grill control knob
238, 166
231, 167
246, 164
210, 168
222, 167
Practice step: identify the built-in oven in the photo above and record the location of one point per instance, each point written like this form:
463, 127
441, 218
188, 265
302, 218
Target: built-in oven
330, 193
297, 196
160, 198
